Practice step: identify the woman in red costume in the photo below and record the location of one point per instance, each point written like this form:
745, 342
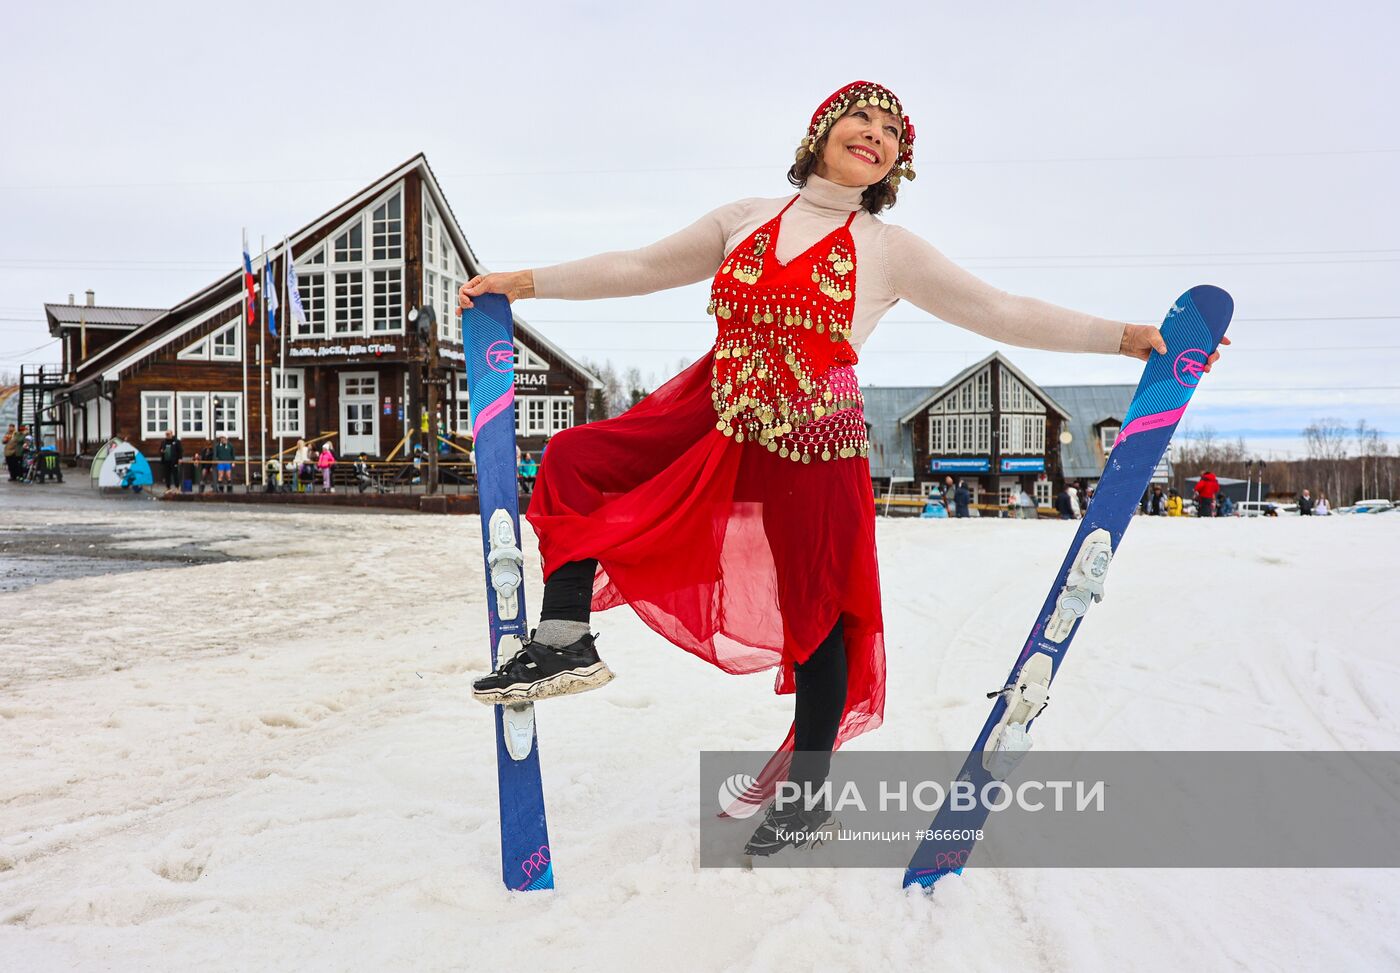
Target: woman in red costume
732, 508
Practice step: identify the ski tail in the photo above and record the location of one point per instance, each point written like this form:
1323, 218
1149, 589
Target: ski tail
488, 330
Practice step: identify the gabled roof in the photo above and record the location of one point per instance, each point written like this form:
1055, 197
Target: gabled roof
1089, 406
77, 315
973, 369
891, 441
166, 326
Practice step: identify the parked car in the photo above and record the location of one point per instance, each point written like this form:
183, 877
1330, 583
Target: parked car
1258, 508
1374, 506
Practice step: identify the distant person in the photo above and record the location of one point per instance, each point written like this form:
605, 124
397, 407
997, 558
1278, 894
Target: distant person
1175, 504
271, 474
1323, 508
1062, 505
326, 463
363, 480
949, 488
301, 462
223, 465
1072, 492
171, 453
1227, 506
1207, 489
13, 438
1305, 504
529, 469
1156, 503
962, 499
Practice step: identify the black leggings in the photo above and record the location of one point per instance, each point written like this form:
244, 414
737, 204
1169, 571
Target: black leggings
821, 680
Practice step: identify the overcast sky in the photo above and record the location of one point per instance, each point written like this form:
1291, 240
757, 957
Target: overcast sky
1102, 156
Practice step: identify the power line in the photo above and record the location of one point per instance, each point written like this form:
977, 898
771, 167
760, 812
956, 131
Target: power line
662, 170
1234, 350
25, 354
883, 321
104, 263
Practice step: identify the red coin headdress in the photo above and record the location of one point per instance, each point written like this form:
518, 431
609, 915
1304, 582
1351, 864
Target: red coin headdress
860, 94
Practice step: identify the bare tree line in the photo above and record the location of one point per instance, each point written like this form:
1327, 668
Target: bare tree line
621, 390
1346, 462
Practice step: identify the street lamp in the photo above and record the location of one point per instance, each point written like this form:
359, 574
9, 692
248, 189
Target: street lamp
425, 318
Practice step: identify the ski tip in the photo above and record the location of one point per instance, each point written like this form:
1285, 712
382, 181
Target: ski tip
1214, 303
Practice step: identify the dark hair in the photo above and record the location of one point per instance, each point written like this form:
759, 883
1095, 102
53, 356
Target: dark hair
874, 200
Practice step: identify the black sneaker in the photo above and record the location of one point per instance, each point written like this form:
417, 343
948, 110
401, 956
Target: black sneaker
792, 827
540, 671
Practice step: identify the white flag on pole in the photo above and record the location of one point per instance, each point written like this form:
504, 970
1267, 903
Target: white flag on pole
293, 293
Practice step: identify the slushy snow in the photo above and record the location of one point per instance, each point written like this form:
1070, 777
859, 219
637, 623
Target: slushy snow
276, 763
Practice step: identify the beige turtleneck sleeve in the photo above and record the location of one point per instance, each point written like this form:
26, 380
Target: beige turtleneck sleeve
892, 264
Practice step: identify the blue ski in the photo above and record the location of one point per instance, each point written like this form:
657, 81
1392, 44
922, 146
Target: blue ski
1192, 330
489, 333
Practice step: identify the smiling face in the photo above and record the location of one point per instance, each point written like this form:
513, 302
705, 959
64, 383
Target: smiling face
860, 148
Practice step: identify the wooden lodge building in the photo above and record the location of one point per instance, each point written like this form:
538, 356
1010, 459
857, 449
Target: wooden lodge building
998, 430
356, 369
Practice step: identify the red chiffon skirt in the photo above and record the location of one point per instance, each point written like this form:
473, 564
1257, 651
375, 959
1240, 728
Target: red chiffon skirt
735, 554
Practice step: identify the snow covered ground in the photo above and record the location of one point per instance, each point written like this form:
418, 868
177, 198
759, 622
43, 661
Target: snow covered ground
274, 763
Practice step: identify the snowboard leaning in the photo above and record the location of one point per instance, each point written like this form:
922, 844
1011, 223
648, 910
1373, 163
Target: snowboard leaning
1192, 330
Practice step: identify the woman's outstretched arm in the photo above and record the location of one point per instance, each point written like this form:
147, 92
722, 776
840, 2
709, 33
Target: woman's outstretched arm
924, 277
685, 257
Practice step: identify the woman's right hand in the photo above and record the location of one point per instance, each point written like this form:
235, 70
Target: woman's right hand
514, 285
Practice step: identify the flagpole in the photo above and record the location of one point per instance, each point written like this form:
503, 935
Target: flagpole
262, 372
282, 337
243, 350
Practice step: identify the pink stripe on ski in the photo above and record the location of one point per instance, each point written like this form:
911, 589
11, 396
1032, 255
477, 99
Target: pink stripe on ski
1143, 423
492, 411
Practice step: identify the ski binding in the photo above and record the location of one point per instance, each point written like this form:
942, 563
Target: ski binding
518, 724
507, 563
1027, 695
1083, 584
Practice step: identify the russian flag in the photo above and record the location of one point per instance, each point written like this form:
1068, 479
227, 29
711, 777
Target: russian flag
249, 283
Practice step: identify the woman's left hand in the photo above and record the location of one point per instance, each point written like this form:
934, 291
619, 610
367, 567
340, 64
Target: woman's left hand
1141, 340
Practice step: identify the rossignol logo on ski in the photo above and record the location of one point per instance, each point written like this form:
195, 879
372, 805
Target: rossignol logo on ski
1190, 366
500, 356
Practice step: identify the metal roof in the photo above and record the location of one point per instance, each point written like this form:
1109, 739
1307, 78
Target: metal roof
891, 441
1088, 405
891, 438
63, 315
